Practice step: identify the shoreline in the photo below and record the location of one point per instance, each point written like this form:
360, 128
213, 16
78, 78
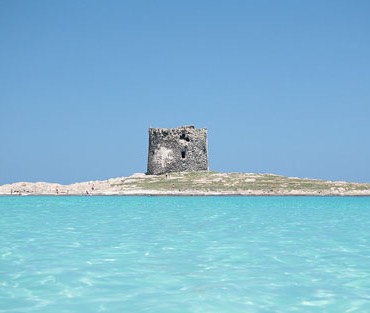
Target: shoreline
193, 195
203, 183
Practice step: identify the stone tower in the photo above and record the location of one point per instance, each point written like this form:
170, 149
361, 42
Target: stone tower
181, 149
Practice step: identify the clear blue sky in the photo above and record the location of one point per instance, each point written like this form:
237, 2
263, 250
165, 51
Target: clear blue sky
282, 86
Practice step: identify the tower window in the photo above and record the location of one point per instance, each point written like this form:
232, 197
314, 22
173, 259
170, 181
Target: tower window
183, 154
184, 137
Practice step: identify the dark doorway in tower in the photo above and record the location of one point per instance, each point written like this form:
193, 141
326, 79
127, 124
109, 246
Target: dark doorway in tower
183, 154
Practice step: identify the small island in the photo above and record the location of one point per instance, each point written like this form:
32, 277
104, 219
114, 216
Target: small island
200, 183
178, 166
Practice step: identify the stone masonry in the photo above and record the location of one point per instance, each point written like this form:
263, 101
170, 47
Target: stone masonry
181, 149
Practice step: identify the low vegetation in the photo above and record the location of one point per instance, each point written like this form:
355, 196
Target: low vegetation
208, 182
193, 183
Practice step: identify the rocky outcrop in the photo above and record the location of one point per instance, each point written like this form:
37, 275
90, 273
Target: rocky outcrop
195, 183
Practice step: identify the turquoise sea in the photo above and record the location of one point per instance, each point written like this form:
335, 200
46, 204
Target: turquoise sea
184, 254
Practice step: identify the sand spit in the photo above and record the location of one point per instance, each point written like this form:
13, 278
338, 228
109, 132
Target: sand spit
195, 183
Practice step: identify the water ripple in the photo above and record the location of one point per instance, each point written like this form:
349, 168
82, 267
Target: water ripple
173, 254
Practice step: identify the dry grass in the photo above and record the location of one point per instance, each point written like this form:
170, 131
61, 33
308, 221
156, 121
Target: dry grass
205, 181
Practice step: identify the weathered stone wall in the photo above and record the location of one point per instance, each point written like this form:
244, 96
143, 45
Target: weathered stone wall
182, 149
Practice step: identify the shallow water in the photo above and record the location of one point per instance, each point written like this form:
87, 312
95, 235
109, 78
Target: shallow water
184, 254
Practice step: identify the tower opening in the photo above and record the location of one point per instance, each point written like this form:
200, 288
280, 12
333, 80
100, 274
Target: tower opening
184, 137
183, 154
